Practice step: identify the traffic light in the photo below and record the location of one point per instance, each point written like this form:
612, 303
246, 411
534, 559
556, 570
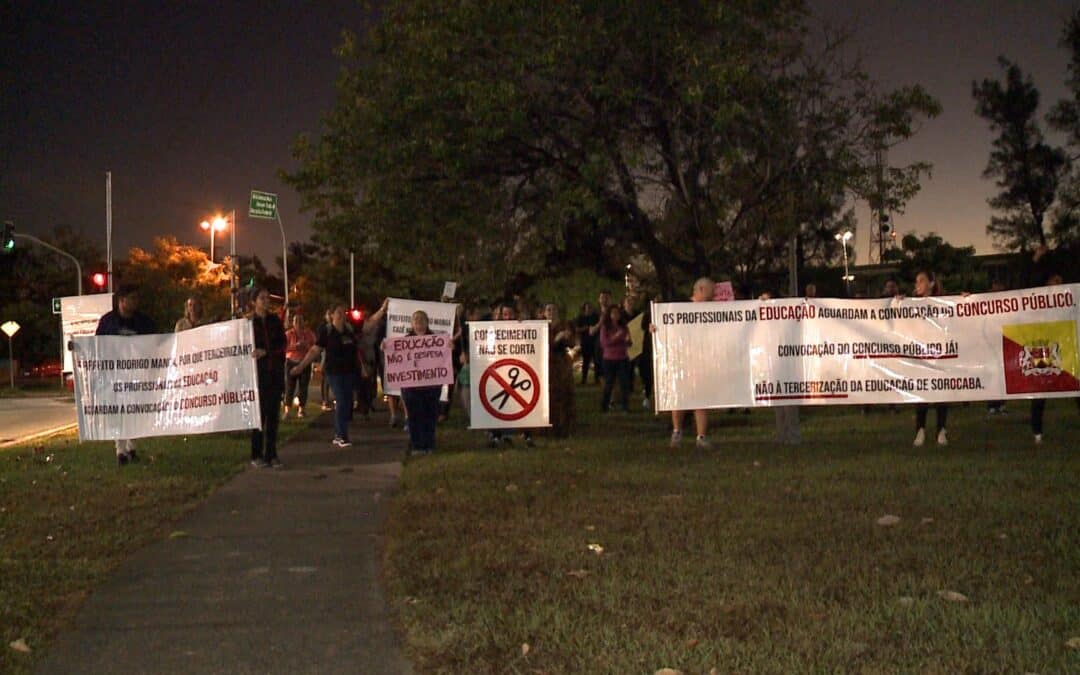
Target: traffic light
99, 279
356, 315
7, 243
885, 226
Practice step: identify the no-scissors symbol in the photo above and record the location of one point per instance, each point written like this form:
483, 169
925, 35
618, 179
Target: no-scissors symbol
509, 389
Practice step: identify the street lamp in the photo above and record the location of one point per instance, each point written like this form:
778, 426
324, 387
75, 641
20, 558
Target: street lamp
848, 277
218, 224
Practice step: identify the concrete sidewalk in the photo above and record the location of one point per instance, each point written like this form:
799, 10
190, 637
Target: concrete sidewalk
278, 573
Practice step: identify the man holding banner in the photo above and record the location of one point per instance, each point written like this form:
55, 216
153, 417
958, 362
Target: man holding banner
126, 319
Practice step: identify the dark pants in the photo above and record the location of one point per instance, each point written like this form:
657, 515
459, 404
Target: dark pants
445, 406
264, 441
297, 385
588, 358
921, 410
422, 404
643, 364
342, 387
616, 370
365, 394
1038, 406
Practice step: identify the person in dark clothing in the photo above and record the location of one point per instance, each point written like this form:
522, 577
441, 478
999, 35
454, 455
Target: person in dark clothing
338, 341
125, 319
269, 355
926, 286
584, 321
422, 403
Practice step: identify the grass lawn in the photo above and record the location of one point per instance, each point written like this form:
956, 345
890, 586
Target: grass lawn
750, 557
68, 516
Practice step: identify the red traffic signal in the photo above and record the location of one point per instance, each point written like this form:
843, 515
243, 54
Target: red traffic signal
99, 279
356, 315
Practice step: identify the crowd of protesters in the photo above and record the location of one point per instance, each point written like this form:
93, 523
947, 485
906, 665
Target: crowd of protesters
600, 338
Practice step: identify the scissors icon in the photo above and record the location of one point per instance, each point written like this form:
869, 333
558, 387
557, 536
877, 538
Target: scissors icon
504, 395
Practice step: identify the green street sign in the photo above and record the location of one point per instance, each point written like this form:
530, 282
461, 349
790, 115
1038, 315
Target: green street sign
56, 305
263, 205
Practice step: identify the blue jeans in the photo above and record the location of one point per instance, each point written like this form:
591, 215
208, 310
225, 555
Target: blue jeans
342, 386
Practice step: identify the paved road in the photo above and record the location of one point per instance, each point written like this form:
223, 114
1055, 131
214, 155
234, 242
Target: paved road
22, 417
278, 573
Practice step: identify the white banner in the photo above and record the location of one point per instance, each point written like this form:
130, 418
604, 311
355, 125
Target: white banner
399, 313
508, 371
194, 382
993, 346
79, 315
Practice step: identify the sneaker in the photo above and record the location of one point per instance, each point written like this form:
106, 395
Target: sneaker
122, 459
942, 438
405, 426
285, 412
1038, 439
676, 438
259, 463
920, 438
132, 456
529, 442
300, 413
702, 443
646, 403
393, 421
325, 407
492, 442
342, 443
275, 463
296, 401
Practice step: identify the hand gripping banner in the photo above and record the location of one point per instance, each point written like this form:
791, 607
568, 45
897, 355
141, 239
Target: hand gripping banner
992, 346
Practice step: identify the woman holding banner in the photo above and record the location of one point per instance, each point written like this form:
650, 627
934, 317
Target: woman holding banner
340, 345
927, 286
704, 291
422, 403
269, 353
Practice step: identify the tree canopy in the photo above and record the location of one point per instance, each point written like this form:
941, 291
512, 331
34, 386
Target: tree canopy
496, 143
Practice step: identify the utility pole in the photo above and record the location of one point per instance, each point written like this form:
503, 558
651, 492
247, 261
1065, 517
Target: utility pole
108, 228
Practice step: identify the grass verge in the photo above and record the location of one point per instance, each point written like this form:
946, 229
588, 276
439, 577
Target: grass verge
749, 557
68, 516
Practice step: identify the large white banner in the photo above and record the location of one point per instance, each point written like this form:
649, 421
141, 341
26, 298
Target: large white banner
399, 313
79, 315
508, 372
1017, 344
197, 381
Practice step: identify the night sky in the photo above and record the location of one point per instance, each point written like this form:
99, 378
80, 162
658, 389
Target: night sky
192, 104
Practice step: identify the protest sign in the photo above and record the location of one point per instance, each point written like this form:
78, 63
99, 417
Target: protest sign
994, 346
508, 369
399, 313
194, 382
637, 336
723, 291
79, 315
418, 361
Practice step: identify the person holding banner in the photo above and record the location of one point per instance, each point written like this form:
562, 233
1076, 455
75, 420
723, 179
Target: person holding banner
193, 315
269, 334
125, 319
704, 291
560, 372
585, 320
927, 286
422, 403
340, 345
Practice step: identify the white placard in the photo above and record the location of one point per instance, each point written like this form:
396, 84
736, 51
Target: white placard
508, 369
79, 315
449, 289
399, 313
197, 381
993, 346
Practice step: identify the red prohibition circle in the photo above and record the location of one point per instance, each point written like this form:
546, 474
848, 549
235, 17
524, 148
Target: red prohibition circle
526, 406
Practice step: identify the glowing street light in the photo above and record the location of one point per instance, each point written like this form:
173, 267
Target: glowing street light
848, 277
218, 224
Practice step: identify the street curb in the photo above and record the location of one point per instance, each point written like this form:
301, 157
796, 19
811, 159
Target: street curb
48, 432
